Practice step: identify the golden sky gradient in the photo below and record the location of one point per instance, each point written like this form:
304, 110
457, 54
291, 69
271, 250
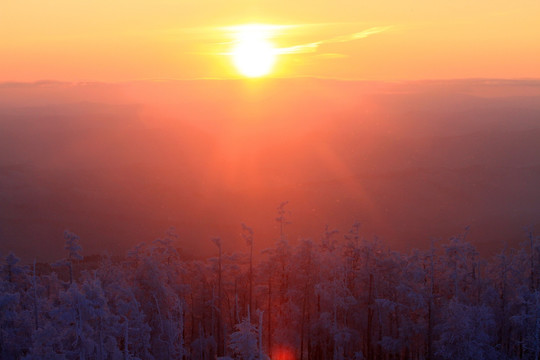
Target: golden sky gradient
103, 40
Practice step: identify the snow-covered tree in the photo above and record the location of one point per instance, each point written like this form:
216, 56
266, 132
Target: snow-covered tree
74, 249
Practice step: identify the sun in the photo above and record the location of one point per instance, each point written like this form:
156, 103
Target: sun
253, 54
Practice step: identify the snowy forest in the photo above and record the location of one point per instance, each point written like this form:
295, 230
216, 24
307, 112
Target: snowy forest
338, 297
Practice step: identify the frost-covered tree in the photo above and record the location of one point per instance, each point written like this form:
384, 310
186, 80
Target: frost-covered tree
246, 341
74, 249
466, 332
344, 297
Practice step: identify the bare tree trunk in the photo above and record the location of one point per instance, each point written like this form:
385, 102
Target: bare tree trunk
261, 335
251, 276
181, 330
220, 347
270, 316
219, 327
101, 347
192, 318
370, 352
430, 305
302, 326
126, 339
532, 275
70, 264
34, 285
430, 332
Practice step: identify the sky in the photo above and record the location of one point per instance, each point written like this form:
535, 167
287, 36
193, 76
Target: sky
388, 40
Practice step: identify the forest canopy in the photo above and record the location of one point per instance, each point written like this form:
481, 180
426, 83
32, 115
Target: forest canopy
340, 297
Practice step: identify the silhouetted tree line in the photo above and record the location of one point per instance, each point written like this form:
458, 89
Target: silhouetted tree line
342, 297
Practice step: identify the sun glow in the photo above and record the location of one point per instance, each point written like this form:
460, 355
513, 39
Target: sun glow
253, 54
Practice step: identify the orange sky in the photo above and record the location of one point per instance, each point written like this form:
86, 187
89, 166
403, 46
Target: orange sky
103, 40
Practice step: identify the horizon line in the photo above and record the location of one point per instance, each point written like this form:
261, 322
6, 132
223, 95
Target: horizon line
486, 80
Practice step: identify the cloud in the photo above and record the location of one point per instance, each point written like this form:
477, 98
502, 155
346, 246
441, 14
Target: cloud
217, 40
313, 46
332, 56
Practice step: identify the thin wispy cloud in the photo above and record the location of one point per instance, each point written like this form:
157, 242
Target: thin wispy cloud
227, 36
313, 46
332, 56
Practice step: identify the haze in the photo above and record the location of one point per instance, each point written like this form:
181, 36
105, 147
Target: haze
121, 163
